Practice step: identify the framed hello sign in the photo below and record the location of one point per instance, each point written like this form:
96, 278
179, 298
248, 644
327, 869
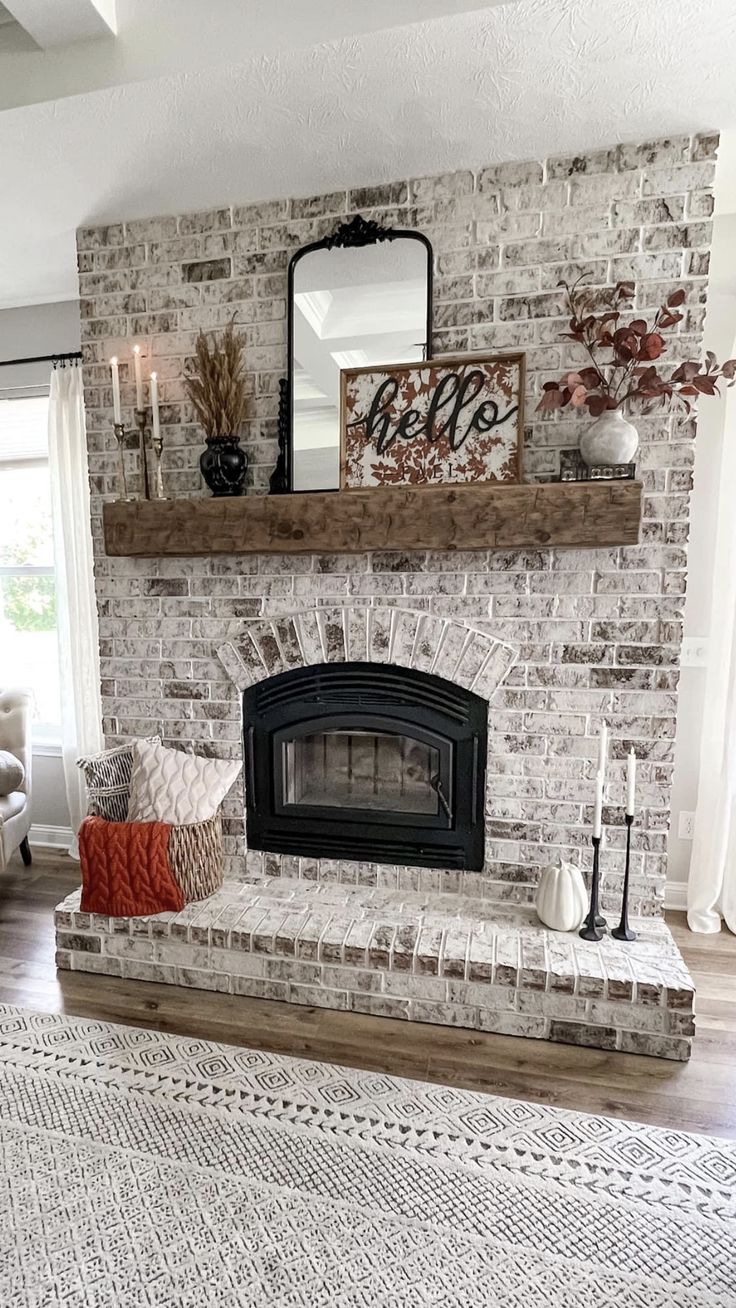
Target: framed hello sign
452, 420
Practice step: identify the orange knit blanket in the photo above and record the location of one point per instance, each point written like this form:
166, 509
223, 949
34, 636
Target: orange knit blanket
125, 868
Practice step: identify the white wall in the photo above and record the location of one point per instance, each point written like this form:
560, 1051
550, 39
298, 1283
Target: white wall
720, 337
50, 812
37, 329
40, 329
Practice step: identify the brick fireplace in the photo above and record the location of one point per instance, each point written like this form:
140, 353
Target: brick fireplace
551, 641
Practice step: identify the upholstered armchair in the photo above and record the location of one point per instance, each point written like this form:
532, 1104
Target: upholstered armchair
16, 707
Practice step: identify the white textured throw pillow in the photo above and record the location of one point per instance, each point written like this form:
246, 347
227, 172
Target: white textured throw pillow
167, 785
12, 772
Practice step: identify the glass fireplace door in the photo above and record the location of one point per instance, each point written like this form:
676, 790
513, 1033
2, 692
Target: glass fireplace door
371, 770
375, 770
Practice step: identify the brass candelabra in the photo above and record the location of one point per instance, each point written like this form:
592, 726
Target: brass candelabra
151, 487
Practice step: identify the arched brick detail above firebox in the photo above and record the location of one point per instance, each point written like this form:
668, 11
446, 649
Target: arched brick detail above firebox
378, 633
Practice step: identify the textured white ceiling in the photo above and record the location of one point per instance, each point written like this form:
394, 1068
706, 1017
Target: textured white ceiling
58, 22
156, 38
516, 81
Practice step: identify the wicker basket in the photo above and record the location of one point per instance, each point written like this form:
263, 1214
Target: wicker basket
194, 852
195, 855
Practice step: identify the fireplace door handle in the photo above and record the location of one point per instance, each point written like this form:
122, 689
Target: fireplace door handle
436, 785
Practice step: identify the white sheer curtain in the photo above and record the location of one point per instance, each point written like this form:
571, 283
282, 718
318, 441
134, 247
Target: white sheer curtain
712, 882
81, 708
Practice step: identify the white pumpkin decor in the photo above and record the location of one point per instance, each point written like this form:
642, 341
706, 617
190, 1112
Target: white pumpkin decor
562, 900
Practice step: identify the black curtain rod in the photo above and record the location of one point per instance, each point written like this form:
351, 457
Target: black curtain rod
42, 358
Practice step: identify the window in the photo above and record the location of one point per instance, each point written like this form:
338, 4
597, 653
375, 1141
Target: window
28, 644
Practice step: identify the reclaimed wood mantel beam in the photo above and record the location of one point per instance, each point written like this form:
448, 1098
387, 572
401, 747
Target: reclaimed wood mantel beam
474, 517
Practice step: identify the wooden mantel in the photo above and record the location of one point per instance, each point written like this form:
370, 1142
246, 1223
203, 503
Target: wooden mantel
473, 517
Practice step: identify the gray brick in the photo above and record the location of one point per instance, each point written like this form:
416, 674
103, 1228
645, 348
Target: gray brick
208, 270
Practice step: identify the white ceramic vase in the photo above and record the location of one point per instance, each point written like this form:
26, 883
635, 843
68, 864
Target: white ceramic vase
562, 900
610, 439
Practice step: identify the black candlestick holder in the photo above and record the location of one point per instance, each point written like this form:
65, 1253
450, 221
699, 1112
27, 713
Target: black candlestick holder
623, 931
592, 928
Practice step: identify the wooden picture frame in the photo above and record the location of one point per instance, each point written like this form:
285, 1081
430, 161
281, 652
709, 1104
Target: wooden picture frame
474, 404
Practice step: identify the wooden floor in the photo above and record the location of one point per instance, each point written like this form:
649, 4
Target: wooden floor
699, 1096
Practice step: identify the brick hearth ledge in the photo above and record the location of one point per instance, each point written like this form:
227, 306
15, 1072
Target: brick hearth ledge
437, 958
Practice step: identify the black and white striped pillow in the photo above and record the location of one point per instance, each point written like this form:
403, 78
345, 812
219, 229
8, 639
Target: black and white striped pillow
107, 775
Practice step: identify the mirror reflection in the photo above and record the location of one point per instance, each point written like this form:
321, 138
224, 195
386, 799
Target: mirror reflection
351, 307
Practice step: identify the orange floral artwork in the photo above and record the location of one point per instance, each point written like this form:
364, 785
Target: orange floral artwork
442, 421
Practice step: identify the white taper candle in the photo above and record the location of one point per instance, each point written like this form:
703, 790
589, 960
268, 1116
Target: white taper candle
630, 783
603, 748
598, 808
115, 390
138, 377
154, 405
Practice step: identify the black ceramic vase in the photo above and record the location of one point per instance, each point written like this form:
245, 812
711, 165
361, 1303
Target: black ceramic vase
224, 464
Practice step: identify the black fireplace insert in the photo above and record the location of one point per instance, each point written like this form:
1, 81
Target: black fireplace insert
366, 761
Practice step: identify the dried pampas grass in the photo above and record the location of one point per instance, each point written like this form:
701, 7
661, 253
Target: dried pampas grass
216, 386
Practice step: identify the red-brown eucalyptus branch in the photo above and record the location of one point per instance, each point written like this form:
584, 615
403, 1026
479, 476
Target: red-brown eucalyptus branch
633, 348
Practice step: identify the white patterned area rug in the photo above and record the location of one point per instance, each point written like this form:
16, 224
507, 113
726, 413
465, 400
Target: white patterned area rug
141, 1169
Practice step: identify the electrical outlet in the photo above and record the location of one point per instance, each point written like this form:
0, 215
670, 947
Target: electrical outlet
694, 652
686, 825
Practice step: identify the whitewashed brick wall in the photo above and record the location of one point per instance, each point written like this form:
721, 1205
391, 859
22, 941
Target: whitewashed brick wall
597, 632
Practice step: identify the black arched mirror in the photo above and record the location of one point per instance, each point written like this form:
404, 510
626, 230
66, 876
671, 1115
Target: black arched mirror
360, 296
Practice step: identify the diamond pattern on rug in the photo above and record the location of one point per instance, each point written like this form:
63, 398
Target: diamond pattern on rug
143, 1170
